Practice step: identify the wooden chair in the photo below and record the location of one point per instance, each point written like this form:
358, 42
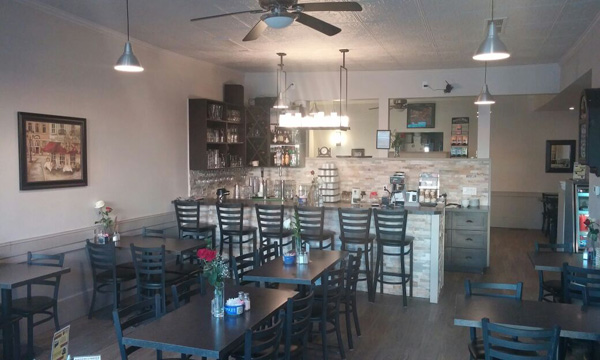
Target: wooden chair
349, 297
500, 342
31, 305
498, 290
549, 289
134, 315
183, 291
242, 264
231, 225
106, 276
297, 324
270, 225
311, 227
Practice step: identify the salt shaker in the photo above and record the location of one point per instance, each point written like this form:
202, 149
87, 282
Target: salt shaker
246, 301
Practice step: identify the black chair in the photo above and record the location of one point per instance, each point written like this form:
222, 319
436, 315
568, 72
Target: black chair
500, 342
106, 276
575, 277
349, 297
268, 253
150, 273
242, 264
498, 290
390, 229
295, 329
355, 225
326, 309
549, 215
549, 289
189, 224
31, 305
13, 322
183, 291
231, 225
134, 315
270, 225
311, 227
154, 233
263, 342
186, 264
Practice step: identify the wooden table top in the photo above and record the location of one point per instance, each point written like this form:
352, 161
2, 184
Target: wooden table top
275, 271
15, 275
553, 261
575, 322
172, 245
193, 330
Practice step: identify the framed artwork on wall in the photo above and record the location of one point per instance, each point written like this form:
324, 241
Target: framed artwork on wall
52, 151
420, 115
383, 139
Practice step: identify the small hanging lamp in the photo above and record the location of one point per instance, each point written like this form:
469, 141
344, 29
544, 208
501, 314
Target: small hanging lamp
281, 84
492, 48
128, 62
485, 98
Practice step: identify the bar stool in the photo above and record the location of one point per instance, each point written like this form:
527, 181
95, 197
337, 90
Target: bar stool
390, 228
355, 225
188, 221
231, 224
311, 226
270, 225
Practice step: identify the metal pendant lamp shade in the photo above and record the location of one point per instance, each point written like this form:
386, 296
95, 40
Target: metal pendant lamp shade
485, 98
280, 104
492, 48
128, 62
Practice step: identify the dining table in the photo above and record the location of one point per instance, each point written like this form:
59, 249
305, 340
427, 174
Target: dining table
554, 260
276, 271
172, 245
13, 276
193, 330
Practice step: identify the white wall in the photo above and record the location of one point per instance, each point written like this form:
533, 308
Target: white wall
137, 123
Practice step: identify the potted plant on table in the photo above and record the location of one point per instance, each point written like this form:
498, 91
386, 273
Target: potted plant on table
593, 230
215, 269
107, 224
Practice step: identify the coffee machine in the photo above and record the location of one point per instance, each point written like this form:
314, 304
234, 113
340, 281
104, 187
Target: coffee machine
398, 182
222, 194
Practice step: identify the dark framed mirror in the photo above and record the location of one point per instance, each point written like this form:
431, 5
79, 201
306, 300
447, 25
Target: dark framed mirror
560, 156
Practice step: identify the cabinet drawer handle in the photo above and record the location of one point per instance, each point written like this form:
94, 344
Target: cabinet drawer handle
468, 239
468, 258
469, 221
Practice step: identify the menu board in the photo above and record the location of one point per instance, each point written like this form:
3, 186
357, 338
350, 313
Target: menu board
383, 139
60, 344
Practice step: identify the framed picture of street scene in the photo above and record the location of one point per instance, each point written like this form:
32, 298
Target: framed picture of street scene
52, 151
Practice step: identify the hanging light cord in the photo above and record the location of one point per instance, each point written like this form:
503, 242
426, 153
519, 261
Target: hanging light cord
492, 10
485, 74
127, 5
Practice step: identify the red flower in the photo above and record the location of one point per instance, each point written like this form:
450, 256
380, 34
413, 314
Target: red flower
312, 172
587, 222
108, 209
207, 254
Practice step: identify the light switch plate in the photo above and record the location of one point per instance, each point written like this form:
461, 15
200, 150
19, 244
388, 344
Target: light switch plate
597, 190
469, 190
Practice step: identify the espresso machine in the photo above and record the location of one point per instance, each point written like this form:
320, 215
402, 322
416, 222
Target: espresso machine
398, 194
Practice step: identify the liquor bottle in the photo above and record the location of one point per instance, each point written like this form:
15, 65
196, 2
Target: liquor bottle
286, 138
286, 159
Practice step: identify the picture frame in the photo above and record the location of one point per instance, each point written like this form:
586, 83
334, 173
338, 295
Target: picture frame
383, 140
52, 151
560, 156
419, 116
357, 152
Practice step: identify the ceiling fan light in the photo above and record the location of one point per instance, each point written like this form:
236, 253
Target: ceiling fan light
128, 62
485, 98
492, 48
279, 21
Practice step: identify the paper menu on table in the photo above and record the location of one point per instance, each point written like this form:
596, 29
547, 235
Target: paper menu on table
60, 344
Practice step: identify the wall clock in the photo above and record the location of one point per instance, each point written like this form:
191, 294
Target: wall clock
324, 152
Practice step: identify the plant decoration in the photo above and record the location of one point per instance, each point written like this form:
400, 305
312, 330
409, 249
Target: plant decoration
593, 228
296, 231
397, 139
104, 211
215, 268
315, 178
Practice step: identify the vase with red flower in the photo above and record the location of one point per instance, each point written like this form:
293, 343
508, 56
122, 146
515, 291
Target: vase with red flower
215, 269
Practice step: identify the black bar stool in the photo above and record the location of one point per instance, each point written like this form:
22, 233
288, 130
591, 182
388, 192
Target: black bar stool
355, 225
390, 227
311, 226
231, 224
270, 225
189, 224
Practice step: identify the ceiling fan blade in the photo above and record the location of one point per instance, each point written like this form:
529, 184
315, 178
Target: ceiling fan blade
256, 31
229, 14
332, 6
317, 24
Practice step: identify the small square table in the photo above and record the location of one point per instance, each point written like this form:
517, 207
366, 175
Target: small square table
193, 330
553, 261
13, 276
297, 274
172, 245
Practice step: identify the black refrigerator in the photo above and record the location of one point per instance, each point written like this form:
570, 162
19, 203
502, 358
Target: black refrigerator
577, 196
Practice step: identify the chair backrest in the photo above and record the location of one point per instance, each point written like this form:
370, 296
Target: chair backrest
188, 215
154, 233
231, 217
573, 277
549, 201
390, 225
57, 260
269, 219
102, 259
149, 266
499, 290
332, 282
134, 315
268, 253
312, 220
263, 343
183, 292
242, 264
500, 342
543, 247
297, 323
355, 224
591, 296
353, 271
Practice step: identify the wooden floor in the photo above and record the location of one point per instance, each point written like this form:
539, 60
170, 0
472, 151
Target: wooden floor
389, 331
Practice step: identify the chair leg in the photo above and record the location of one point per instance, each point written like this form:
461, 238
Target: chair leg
411, 269
348, 324
241, 245
55, 315
230, 243
338, 334
17, 337
213, 237
30, 337
254, 240
323, 328
93, 302
117, 301
332, 242
370, 289
404, 279
379, 269
355, 313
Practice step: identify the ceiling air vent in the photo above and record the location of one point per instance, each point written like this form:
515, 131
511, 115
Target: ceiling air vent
500, 22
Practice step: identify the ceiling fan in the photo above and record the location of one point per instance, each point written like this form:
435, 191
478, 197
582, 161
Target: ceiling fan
397, 104
278, 14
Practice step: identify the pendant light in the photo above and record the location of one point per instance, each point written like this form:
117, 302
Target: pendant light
281, 82
128, 62
485, 98
492, 48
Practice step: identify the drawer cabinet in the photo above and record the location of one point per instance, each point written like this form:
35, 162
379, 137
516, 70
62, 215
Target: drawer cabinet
466, 241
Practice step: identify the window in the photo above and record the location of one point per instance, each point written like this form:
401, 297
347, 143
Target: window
53, 128
62, 159
37, 127
44, 128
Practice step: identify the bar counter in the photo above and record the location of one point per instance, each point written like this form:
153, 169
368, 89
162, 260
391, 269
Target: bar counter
426, 224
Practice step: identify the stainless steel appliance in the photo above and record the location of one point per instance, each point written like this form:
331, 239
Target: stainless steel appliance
398, 182
577, 196
222, 194
329, 184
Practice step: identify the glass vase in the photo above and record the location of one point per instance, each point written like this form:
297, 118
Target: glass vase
218, 302
397, 151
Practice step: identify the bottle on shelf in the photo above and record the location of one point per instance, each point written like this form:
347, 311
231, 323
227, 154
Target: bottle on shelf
286, 158
279, 136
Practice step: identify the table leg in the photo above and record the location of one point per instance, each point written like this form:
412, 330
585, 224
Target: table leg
7, 336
